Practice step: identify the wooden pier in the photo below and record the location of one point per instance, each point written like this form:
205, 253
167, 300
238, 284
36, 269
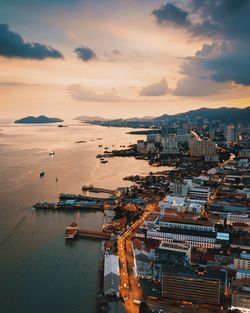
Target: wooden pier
94, 234
98, 190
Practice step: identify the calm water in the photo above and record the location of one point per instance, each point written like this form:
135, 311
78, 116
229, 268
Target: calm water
39, 272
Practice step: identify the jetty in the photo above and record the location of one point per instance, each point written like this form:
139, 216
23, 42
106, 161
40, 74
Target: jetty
73, 231
98, 190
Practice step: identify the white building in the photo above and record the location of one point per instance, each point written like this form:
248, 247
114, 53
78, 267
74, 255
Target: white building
243, 262
199, 193
242, 274
189, 237
111, 275
171, 202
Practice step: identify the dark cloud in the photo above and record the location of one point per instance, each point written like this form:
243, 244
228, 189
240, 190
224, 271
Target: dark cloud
227, 24
12, 45
156, 89
171, 14
226, 19
85, 53
233, 65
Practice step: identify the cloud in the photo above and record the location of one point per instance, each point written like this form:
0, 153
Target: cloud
117, 52
224, 19
83, 94
226, 59
210, 71
12, 45
171, 14
232, 65
156, 89
85, 53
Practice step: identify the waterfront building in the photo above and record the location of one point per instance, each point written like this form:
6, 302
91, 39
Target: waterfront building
170, 146
154, 138
241, 295
111, 284
144, 147
202, 148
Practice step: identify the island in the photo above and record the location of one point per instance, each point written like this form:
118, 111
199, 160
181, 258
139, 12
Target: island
42, 119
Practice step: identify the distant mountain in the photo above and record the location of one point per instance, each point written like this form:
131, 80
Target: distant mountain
140, 119
85, 118
42, 119
223, 114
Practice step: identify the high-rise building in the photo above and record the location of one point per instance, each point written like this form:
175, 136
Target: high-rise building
202, 148
231, 134
180, 190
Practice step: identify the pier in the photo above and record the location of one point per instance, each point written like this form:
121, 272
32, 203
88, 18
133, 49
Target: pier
98, 190
94, 234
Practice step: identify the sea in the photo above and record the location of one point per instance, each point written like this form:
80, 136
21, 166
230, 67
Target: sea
39, 271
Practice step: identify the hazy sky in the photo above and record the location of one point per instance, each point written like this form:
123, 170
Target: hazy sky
122, 58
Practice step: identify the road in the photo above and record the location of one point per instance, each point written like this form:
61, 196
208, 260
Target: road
129, 284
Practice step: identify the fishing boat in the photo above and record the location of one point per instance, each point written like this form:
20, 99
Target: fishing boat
104, 161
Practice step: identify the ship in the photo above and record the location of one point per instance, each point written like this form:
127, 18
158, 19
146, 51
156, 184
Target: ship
52, 152
45, 206
71, 231
42, 174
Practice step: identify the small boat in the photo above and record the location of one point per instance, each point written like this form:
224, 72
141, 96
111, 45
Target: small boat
104, 161
100, 146
52, 152
42, 174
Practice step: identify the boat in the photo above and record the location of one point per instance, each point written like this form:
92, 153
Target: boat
104, 161
52, 152
71, 231
100, 146
42, 174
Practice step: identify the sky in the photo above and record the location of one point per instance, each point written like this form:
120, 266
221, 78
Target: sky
122, 58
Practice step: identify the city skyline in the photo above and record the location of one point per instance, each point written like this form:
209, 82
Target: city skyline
122, 58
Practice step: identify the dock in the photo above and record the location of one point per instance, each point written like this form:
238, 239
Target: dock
73, 231
98, 190
94, 234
